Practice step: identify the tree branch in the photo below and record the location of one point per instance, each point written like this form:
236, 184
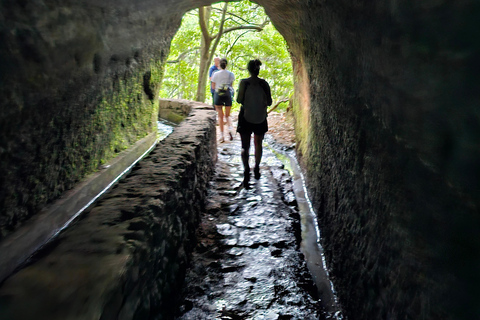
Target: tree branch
234, 15
203, 23
220, 32
182, 55
277, 104
250, 27
234, 42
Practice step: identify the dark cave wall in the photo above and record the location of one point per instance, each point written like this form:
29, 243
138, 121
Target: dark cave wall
387, 116
78, 84
126, 258
392, 150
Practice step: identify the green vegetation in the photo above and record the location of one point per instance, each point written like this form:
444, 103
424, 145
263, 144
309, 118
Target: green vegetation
124, 114
129, 116
247, 34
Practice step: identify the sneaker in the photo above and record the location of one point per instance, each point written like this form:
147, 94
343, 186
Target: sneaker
256, 172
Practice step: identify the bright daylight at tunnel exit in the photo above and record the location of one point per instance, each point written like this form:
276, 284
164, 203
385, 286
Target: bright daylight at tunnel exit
239, 160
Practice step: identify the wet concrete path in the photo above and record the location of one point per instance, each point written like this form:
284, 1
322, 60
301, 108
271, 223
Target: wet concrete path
247, 264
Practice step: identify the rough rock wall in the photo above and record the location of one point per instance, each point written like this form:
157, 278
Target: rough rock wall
126, 258
78, 83
387, 110
392, 148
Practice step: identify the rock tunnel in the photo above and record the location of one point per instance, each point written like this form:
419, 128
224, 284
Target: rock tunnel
387, 122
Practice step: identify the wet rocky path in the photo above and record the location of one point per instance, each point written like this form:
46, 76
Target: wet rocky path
247, 264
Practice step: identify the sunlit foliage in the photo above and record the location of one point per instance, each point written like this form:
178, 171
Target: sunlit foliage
240, 46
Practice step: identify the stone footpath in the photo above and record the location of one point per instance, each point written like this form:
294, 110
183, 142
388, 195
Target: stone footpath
246, 264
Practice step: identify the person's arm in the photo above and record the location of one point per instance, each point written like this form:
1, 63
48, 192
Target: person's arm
210, 71
241, 92
213, 81
232, 79
268, 93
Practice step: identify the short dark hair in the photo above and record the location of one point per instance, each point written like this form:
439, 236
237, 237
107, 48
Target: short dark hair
223, 63
254, 67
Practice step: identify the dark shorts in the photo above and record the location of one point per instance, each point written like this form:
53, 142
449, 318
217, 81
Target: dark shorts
244, 126
225, 100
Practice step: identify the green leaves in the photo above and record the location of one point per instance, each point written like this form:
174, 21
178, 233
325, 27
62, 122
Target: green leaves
238, 46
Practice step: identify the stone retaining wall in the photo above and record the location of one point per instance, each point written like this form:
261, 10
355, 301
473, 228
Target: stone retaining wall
174, 110
126, 257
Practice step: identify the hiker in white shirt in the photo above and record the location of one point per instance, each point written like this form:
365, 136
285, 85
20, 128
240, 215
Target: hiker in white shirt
222, 83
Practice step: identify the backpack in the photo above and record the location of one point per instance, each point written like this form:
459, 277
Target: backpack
223, 90
255, 102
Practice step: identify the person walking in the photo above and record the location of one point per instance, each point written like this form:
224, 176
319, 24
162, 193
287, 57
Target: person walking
222, 83
211, 71
255, 96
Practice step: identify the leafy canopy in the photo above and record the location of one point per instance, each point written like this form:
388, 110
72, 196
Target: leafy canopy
238, 47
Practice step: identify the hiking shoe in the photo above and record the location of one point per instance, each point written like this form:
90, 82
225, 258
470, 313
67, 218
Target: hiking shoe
246, 179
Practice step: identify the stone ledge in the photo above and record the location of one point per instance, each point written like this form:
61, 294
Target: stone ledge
20, 245
125, 258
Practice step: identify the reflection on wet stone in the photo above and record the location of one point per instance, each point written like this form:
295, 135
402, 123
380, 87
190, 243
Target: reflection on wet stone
257, 272
226, 229
249, 222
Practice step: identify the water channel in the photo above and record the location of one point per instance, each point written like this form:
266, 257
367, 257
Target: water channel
310, 245
310, 233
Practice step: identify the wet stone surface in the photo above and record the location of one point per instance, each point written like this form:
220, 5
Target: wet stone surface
246, 264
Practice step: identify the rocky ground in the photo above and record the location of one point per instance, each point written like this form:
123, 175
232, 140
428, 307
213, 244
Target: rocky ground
281, 128
246, 264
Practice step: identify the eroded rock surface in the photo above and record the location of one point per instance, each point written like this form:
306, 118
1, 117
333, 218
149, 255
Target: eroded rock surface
126, 257
386, 103
246, 264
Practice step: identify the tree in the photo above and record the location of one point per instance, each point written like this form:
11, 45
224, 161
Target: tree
237, 43
210, 41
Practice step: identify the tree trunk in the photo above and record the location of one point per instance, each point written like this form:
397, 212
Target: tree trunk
219, 35
204, 17
206, 52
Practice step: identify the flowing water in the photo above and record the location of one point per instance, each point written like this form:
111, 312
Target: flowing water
164, 128
310, 245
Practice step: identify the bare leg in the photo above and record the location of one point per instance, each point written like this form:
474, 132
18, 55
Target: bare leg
220, 121
229, 121
245, 153
258, 154
227, 111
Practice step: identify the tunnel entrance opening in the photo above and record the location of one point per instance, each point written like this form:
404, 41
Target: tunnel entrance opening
238, 31
388, 126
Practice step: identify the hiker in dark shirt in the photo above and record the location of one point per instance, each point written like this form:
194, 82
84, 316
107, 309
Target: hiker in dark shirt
254, 96
211, 71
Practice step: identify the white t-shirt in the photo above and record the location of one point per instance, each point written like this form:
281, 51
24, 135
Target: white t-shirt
223, 77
